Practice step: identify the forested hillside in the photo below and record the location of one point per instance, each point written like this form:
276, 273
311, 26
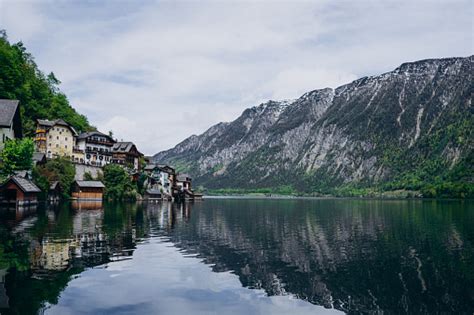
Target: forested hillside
39, 94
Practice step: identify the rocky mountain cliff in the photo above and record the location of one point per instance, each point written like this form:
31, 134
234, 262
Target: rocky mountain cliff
411, 128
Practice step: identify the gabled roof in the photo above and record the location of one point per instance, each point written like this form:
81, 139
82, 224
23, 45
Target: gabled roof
149, 167
89, 184
183, 177
162, 167
152, 191
39, 157
60, 122
8, 109
123, 147
86, 135
26, 185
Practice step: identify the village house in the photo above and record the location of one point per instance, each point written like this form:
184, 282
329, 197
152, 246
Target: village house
126, 154
184, 189
54, 138
88, 189
10, 121
161, 177
19, 190
97, 148
183, 181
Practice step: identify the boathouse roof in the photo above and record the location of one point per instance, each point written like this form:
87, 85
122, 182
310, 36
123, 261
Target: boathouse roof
26, 185
90, 184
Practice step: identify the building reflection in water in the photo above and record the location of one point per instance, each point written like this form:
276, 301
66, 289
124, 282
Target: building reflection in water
356, 256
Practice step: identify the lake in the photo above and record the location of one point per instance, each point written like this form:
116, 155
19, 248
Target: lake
239, 256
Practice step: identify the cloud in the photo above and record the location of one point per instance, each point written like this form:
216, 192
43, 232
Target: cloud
157, 72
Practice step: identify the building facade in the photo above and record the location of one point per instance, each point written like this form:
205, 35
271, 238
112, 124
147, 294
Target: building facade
88, 190
19, 190
10, 121
161, 177
96, 147
55, 138
126, 154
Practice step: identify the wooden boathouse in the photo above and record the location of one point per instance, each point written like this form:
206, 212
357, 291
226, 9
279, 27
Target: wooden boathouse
19, 190
88, 190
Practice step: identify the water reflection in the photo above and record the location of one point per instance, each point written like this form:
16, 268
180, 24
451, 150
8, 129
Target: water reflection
351, 255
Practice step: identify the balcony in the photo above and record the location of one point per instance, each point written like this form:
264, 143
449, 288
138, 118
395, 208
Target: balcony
40, 130
99, 141
96, 151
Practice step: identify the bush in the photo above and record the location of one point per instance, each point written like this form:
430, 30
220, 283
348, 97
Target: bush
58, 169
17, 155
118, 184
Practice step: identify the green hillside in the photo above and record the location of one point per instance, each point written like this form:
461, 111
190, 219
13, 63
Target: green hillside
39, 94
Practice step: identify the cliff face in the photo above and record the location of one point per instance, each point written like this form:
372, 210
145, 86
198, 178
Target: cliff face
406, 128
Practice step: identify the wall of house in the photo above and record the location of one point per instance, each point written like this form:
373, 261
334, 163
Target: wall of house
95, 154
88, 193
59, 141
5, 134
78, 157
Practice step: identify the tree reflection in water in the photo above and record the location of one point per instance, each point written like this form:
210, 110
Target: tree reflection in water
353, 255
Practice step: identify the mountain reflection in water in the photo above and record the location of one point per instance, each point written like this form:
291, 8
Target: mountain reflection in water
355, 256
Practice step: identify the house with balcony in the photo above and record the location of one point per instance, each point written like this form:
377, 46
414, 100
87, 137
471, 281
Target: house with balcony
161, 178
10, 121
126, 154
54, 138
96, 147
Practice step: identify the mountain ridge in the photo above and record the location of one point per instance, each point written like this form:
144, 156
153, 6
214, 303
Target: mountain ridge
409, 128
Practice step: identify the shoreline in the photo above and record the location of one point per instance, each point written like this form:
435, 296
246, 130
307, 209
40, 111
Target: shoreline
290, 197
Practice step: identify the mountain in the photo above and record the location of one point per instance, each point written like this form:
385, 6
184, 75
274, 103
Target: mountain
411, 128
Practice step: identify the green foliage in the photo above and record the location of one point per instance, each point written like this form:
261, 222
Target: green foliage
41, 181
17, 155
58, 169
88, 176
38, 93
118, 184
141, 183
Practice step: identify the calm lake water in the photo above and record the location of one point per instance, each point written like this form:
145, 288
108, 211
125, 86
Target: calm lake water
239, 256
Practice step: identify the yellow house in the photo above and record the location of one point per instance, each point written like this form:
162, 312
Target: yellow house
55, 138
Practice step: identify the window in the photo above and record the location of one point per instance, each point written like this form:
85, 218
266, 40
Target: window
57, 137
50, 137
65, 138
49, 144
65, 146
57, 145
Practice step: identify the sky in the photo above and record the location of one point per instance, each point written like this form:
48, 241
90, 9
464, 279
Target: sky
156, 72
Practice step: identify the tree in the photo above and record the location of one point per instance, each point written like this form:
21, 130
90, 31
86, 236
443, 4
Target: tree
59, 169
118, 184
39, 94
17, 155
88, 176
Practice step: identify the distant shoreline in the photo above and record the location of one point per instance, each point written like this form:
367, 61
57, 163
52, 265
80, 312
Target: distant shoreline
289, 197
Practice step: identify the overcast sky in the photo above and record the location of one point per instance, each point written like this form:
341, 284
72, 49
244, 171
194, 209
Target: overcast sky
156, 72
